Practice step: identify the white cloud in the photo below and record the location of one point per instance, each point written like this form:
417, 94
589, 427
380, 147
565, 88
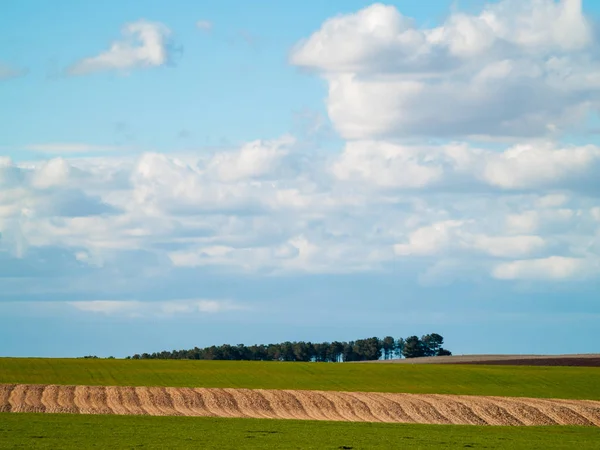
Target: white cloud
253, 160
106, 306
525, 222
519, 68
298, 254
204, 25
262, 209
547, 220
552, 200
55, 172
379, 37
144, 44
454, 238
550, 268
387, 165
386, 205
429, 240
524, 166
51, 188
508, 246
162, 184
135, 308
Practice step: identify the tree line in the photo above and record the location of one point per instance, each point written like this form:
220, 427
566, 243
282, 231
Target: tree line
360, 350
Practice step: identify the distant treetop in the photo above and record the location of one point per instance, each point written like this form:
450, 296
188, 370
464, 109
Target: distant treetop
368, 349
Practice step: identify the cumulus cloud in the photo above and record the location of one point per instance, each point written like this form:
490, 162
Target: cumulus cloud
53, 173
428, 240
544, 219
453, 237
508, 246
550, 268
144, 45
379, 37
297, 254
47, 189
164, 184
532, 166
261, 210
253, 160
387, 165
517, 69
525, 222
281, 220
538, 165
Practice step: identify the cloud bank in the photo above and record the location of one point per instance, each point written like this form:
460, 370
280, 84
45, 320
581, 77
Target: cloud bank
263, 209
518, 69
415, 190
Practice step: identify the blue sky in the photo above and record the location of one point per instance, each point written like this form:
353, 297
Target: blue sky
230, 85
193, 174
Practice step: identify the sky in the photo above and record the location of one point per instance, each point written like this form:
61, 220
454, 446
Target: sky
187, 173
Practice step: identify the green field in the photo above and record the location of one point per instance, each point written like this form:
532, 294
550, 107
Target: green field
19, 430
520, 381
53, 431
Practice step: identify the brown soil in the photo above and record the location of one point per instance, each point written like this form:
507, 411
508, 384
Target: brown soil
592, 360
581, 362
289, 404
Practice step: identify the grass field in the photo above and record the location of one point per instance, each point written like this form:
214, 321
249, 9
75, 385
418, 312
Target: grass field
52, 431
520, 381
25, 430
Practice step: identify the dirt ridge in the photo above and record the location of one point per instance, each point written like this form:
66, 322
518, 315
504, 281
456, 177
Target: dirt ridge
575, 360
298, 404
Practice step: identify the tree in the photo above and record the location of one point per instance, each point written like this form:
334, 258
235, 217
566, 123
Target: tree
301, 351
274, 352
413, 348
399, 348
287, 351
367, 349
348, 352
432, 343
258, 352
334, 352
320, 351
360, 350
388, 344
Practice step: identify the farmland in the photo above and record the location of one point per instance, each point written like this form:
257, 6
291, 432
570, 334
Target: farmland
514, 381
51, 431
134, 399
298, 404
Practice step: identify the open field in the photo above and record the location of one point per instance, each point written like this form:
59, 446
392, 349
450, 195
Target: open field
303, 404
585, 360
514, 381
369, 392
52, 431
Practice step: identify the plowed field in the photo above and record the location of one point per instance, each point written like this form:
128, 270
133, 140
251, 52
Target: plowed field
589, 360
581, 383
298, 404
